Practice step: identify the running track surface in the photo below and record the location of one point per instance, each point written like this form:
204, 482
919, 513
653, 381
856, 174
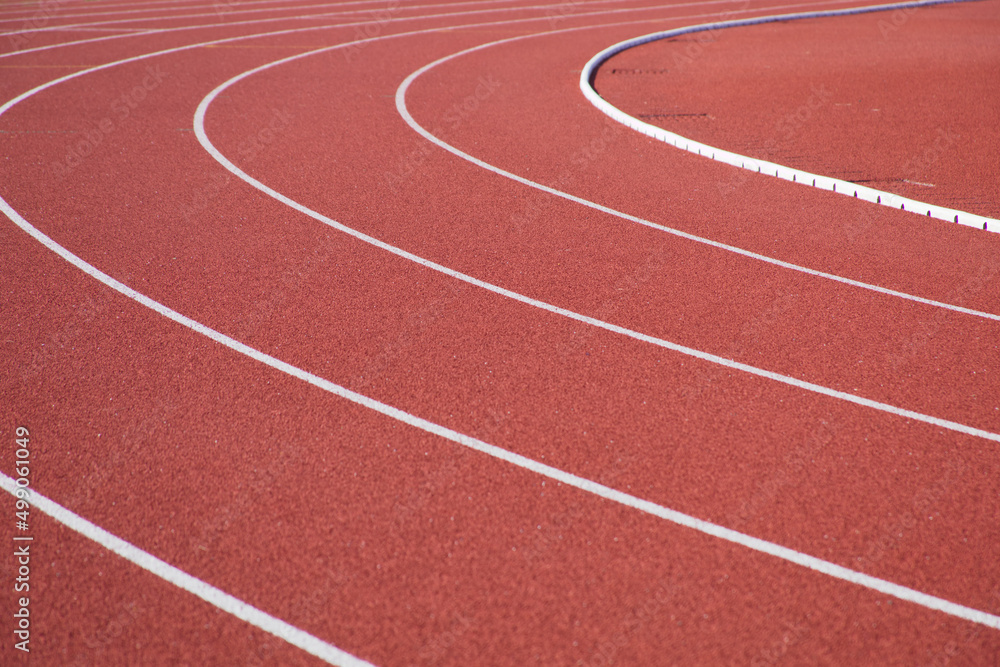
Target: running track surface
399, 546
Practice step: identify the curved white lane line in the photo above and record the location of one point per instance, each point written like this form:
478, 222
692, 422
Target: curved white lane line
203, 26
151, 6
542, 469
199, 128
224, 23
307, 17
232, 605
762, 546
326, 13
221, 4
221, 23
210, 594
158, 31
784, 553
132, 31
846, 188
401, 106
288, 31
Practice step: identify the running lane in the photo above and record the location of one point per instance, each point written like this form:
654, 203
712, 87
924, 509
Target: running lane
396, 545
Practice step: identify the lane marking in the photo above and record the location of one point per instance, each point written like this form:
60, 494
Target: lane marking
199, 128
118, 30
57, 14
307, 17
804, 178
214, 596
210, 594
368, 12
810, 562
589, 486
555, 473
401, 106
93, 4
220, 24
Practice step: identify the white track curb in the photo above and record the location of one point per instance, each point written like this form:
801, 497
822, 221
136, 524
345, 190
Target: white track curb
846, 188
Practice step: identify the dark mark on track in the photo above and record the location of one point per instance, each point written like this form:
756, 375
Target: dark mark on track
638, 71
676, 115
39, 132
878, 180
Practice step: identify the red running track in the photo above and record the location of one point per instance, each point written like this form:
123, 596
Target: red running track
399, 546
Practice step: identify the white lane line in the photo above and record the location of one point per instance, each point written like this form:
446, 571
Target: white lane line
294, 636
401, 106
224, 22
805, 178
289, 31
222, 8
203, 26
227, 603
199, 128
170, 4
307, 17
221, 21
589, 486
131, 31
186, 582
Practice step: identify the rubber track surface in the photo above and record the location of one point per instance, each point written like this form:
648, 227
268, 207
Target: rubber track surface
401, 547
